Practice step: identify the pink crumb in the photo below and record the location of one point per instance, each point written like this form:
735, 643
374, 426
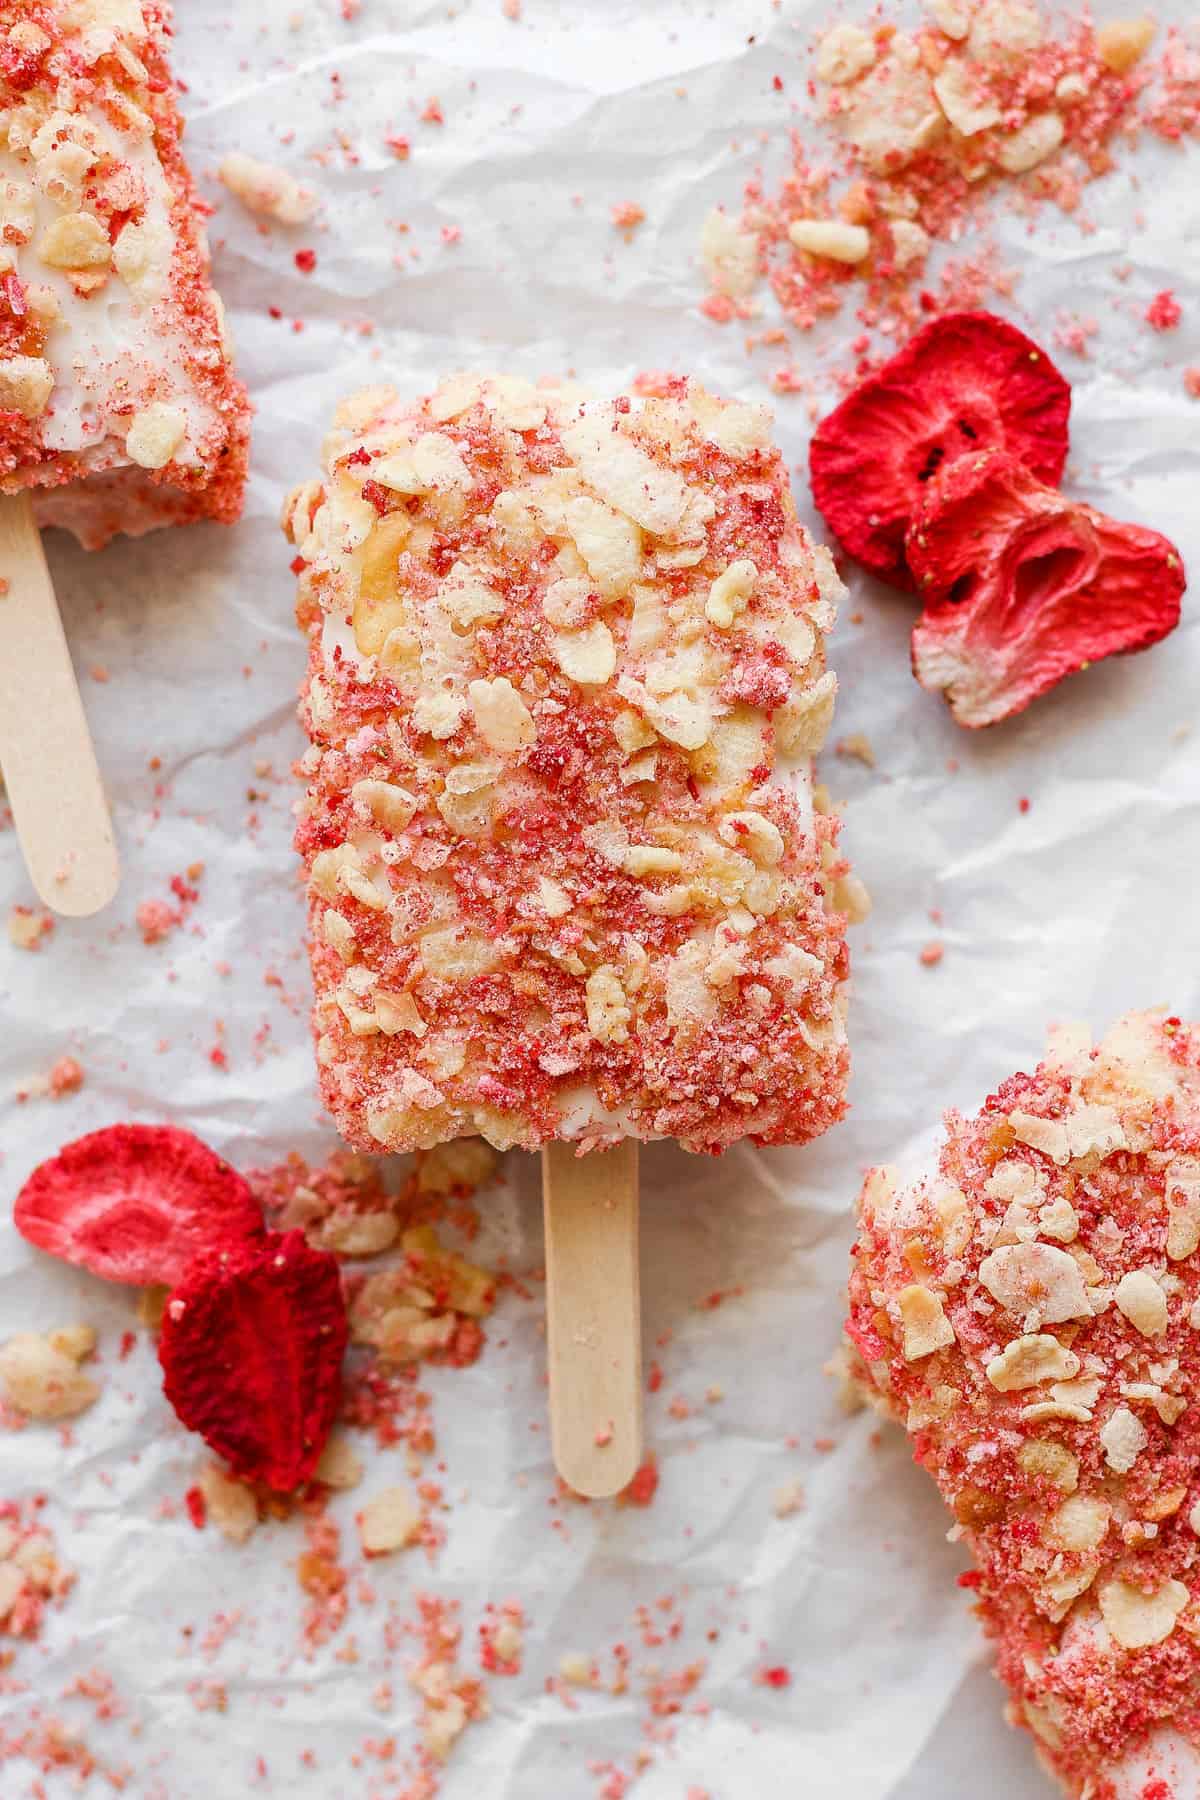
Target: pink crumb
627, 215
66, 1077
155, 919
931, 955
27, 928
1164, 311
644, 1486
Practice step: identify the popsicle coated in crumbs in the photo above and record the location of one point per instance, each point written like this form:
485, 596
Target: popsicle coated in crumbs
567, 874
119, 408
1030, 1312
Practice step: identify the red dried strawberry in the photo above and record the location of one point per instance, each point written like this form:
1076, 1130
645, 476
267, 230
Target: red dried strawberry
967, 382
251, 1350
1025, 586
136, 1203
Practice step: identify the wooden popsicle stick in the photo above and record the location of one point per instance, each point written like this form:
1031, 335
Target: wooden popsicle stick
46, 753
593, 1306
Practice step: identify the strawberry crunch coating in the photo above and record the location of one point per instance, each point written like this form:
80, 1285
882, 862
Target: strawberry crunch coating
1032, 1315
568, 876
118, 404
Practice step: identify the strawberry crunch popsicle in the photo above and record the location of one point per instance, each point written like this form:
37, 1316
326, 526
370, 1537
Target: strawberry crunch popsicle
119, 410
118, 406
568, 875
1031, 1314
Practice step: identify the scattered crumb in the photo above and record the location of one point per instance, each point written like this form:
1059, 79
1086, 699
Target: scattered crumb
1073, 333
340, 1465
627, 215
230, 1504
932, 955
857, 747
65, 1076
390, 1521
450, 1699
40, 1376
1164, 311
644, 1486
268, 191
30, 1572
155, 920
788, 1499
502, 1639
27, 927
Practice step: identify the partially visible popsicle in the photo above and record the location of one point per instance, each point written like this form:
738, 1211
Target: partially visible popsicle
119, 410
118, 404
568, 879
1031, 1314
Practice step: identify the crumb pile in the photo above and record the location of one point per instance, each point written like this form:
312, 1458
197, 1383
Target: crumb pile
1031, 1315
918, 132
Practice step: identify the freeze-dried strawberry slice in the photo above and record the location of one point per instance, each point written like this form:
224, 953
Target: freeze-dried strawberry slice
968, 382
251, 1351
136, 1203
1025, 586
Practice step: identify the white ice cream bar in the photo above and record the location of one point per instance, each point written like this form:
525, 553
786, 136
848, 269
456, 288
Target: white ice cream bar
566, 874
118, 405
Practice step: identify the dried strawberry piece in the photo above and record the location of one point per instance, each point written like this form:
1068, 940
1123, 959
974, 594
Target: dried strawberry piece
968, 382
136, 1203
1025, 586
251, 1351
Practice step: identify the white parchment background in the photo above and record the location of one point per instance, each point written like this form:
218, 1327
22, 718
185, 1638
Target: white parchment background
1083, 906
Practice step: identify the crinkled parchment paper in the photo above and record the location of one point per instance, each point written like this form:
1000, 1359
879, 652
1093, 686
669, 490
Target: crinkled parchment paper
1083, 905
